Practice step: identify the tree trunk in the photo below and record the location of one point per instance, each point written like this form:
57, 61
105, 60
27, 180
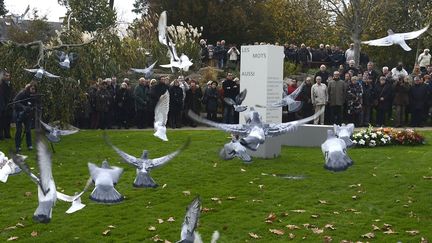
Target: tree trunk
356, 39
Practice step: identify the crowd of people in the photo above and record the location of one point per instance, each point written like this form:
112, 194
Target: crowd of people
349, 94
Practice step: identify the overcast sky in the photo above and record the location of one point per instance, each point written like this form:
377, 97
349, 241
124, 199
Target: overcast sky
53, 10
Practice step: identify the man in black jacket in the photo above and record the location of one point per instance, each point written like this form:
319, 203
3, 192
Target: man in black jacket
5, 109
24, 105
231, 90
418, 96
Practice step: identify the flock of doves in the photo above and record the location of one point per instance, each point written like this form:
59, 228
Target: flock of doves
244, 137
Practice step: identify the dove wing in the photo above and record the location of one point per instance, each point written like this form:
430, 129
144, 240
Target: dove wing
297, 91
24, 167
68, 132
282, 128
115, 173
45, 164
231, 128
31, 70
162, 109
46, 126
162, 24
229, 101
191, 219
126, 157
50, 75
240, 97
157, 162
385, 41
413, 34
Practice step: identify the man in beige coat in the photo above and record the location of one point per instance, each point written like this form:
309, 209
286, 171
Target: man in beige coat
319, 97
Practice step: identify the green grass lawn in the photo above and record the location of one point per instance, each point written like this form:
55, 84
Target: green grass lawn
385, 186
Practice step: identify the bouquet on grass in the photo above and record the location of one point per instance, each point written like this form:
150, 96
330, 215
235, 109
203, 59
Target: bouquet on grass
371, 137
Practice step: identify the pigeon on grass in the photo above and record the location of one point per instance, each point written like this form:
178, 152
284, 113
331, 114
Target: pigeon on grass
335, 153
344, 132
105, 178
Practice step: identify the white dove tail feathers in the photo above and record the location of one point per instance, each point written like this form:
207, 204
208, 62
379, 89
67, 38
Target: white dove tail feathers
215, 237
338, 161
106, 194
144, 180
160, 132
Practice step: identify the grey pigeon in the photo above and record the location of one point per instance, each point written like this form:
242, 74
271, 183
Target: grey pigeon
47, 194
66, 59
40, 73
344, 132
254, 132
235, 149
18, 19
54, 133
289, 100
238, 101
396, 38
105, 178
76, 199
144, 164
335, 153
146, 71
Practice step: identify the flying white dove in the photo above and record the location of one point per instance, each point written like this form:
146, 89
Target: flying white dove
18, 19
183, 62
335, 153
234, 149
146, 71
161, 116
144, 164
289, 100
344, 132
7, 167
238, 101
254, 132
396, 38
105, 178
65, 59
47, 194
53, 132
40, 72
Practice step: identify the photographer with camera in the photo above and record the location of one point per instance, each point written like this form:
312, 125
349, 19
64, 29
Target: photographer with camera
24, 106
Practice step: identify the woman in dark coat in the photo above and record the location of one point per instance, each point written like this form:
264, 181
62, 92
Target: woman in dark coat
193, 100
368, 100
354, 100
419, 95
211, 101
123, 103
383, 98
401, 99
176, 105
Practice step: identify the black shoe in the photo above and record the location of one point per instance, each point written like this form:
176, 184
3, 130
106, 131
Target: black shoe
30, 148
18, 149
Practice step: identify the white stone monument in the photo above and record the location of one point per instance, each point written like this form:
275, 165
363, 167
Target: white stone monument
261, 73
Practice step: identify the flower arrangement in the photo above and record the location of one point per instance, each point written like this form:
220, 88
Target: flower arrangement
385, 136
371, 138
408, 137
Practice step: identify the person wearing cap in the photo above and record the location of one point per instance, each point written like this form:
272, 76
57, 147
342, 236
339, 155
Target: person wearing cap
175, 104
424, 60
24, 106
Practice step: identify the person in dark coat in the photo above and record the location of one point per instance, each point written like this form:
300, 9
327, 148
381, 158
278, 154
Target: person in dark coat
383, 100
418, 97
210, 101
193, 100
103, 104
323, 73
24, 106
368, 100
5, 108
401, 99
176, 105
307, 107
230, 89
123, 103
354, 101
141, 97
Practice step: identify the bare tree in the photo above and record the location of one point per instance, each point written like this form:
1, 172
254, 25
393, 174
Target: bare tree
353, 16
